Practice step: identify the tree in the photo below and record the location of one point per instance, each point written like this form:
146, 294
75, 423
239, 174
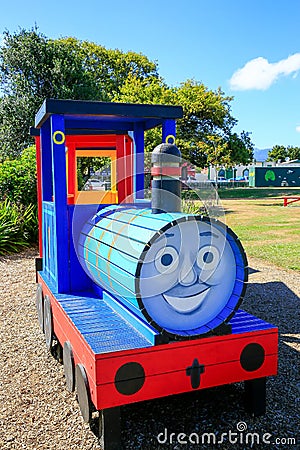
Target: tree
150, 90
293, 153
18, 179
105, 69
278, 152
16, 116
33, 67
207, 120
240, 149
214, 150
281, 153
226, 151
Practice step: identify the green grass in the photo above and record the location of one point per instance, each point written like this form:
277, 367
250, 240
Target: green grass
267, 230
256, 193
286, 256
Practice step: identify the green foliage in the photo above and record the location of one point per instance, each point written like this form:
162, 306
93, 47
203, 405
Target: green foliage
10, 239
152, 91
281, 153
240, 149
33, 67
29, 222
88, 165
18, 209
105, 70
18, 227
15, 119
207, 118
278, 152
214, 150
225, 150
189, 206
205, 111
18, 178
294, 152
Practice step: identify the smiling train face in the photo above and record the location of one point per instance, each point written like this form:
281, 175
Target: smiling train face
185, 274
192, 277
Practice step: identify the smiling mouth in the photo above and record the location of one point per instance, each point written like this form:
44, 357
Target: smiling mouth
186, 304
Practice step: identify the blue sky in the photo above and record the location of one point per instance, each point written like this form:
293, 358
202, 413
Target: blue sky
251, 49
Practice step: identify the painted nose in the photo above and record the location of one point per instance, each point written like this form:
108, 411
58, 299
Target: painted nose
187, 275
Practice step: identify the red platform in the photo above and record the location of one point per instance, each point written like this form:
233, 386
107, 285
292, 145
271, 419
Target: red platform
130, 369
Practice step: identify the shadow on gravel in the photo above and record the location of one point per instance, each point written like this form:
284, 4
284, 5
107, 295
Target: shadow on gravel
251, 270
220, 409
275, 303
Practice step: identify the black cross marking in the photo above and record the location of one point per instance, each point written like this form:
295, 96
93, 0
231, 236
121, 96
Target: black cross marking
195, 371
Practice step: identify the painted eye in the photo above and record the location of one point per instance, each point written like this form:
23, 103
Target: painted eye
166, 260
208, 257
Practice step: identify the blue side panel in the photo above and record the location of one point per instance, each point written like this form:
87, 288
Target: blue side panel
79, 280
49, 240
79, 216
60, 201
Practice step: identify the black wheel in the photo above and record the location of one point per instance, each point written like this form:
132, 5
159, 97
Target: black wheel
255, 396
68, 362
101, 427
39, 302
57, 351
48, 323
83, 393
110, 429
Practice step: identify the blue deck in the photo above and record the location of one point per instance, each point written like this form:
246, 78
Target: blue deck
242, 322
106, 331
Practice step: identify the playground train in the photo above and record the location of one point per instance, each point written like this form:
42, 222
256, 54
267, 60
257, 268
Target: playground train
141, 299
184, 274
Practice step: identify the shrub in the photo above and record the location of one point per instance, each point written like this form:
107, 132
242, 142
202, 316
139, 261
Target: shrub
18, 179
18, 227
29, 222
11, 239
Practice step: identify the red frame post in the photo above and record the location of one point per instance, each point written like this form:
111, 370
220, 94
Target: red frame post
39, 191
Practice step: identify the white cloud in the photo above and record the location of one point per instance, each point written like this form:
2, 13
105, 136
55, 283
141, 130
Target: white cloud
1, 39
298, 128
259, 74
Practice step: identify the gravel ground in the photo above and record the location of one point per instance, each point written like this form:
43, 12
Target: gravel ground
37, 412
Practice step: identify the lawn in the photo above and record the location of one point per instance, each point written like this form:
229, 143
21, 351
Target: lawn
247, 192
266, 229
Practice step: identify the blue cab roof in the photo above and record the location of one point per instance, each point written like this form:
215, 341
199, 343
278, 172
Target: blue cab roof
81, 114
